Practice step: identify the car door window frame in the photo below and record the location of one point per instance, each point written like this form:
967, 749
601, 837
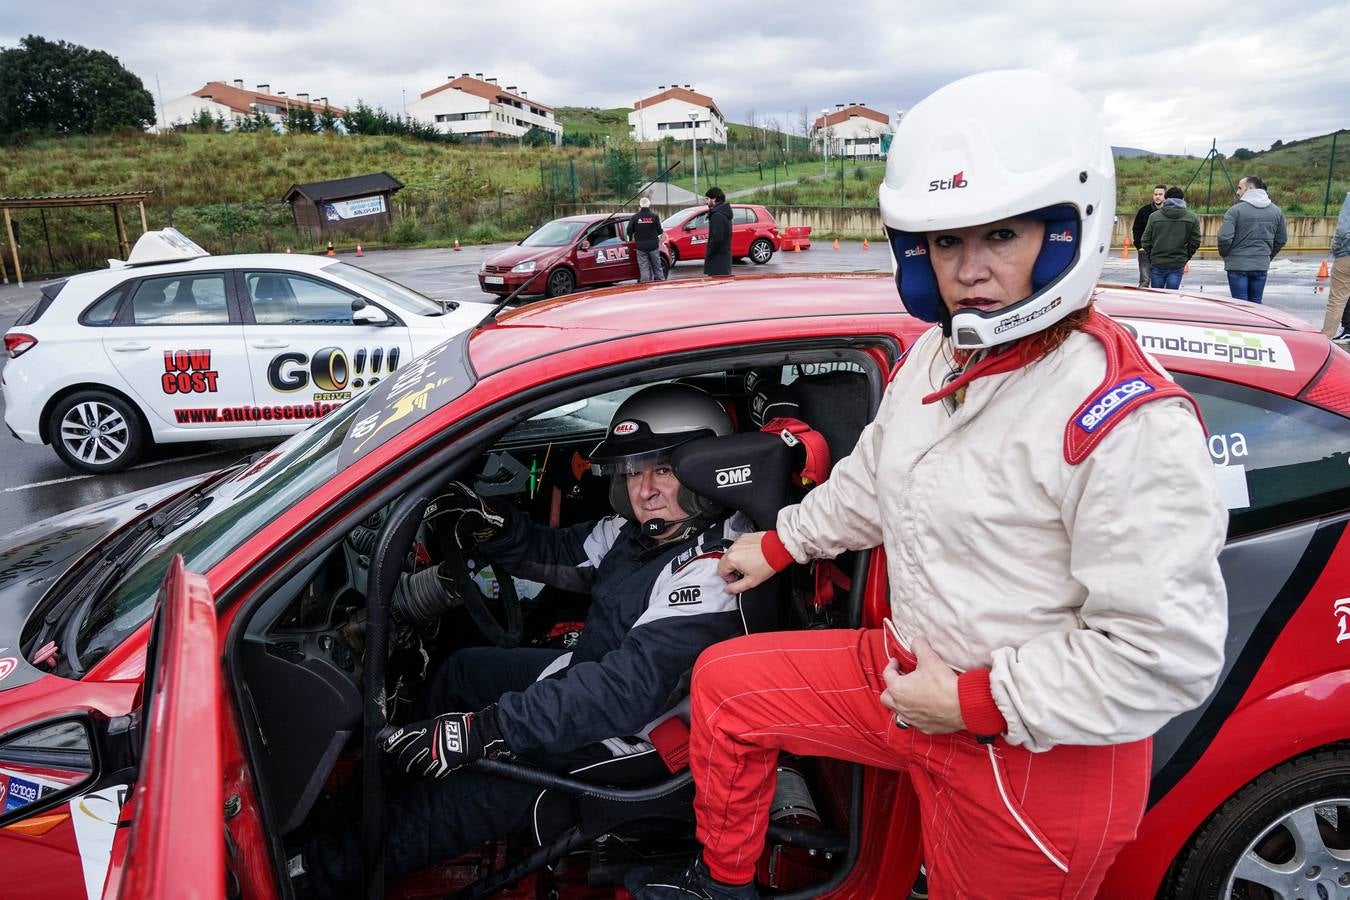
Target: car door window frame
126, 316
246, 299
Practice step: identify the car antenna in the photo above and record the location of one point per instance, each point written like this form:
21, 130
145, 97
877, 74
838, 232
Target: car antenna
581, 236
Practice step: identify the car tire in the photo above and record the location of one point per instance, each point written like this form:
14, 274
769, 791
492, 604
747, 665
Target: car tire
560, 283
674, 254
1257, 825
665, 268
73, 420
761, 251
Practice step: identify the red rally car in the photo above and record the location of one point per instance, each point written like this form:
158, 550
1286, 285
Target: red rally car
164, 732
555, 263
754, 233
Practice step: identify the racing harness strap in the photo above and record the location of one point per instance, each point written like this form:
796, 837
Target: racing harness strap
794, 432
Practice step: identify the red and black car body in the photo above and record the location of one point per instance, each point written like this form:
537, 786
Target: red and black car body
565, 255
754, 233
171, 729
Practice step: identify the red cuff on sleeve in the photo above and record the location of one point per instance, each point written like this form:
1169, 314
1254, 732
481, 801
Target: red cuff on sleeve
775, 554
977, 703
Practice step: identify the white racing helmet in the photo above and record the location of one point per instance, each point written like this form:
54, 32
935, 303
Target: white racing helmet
990, 147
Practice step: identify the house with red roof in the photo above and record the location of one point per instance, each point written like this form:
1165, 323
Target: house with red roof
478, 107
233, 102
679, 112
853, 131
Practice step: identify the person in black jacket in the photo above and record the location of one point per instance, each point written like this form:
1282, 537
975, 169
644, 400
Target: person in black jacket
644, 228
656, 603
717, 254
1140, 223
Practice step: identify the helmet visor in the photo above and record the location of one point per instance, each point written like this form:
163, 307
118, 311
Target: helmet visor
632, 464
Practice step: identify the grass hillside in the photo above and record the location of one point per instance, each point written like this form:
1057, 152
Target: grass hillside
579, 120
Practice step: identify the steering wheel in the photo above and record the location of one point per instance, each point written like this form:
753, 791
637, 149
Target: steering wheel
456, 567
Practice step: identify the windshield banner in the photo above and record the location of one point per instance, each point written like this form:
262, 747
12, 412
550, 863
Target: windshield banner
340, 210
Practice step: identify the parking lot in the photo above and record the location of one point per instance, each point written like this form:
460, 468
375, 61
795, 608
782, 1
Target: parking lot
36, 484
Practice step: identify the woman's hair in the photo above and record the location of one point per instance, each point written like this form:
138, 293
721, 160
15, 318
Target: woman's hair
1048, 340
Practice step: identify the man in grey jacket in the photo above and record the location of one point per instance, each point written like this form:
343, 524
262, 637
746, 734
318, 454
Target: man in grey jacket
1252, 233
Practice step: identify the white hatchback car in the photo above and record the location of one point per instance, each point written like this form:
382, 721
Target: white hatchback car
178, 345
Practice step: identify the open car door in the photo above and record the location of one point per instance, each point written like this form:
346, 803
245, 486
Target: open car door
175, 844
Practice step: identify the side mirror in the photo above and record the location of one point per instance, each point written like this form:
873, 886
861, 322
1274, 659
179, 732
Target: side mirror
369, 315
46, 764
690, 226
358, 304
584, 245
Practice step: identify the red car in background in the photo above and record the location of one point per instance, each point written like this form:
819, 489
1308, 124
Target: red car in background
266, 675
606, 255
754, 233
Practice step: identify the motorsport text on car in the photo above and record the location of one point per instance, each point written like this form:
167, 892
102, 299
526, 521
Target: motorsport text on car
179, 345
257, 672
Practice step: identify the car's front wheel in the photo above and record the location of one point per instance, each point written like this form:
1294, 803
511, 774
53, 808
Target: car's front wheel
761, 251
674, 254
560, 282
1287, 834
96, 432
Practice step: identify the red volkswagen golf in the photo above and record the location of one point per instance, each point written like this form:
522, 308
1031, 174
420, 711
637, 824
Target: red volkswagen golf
754, 233
164, 732
554, 262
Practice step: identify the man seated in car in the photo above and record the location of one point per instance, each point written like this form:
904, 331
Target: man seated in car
656, 603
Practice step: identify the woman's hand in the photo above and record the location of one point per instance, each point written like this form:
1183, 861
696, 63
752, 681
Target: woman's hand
925, 698
743, 566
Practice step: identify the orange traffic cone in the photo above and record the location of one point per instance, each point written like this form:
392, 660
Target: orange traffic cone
358, 250
1125, 248
836, 243
1324, 272
866, 246
796, 246
330, 250
456, 243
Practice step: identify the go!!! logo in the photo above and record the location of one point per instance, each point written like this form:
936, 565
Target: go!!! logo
1109, 403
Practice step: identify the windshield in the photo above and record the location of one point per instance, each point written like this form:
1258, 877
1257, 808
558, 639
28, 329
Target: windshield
557, 233
231, 513
404, 298
676, 218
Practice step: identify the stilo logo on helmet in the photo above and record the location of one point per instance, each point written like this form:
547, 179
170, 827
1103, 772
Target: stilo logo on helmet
921, 250
1061, 237
946, 184
625, 428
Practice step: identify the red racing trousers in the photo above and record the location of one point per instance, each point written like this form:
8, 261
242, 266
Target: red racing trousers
997, 819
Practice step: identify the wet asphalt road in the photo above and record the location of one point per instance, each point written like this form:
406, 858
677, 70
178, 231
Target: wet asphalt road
34, 484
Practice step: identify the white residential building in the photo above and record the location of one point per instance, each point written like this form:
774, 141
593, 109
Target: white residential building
677, 112
233, 102
853, 130
478, 107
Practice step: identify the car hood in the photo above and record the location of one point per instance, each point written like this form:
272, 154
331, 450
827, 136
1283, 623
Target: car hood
513, 255
32, 559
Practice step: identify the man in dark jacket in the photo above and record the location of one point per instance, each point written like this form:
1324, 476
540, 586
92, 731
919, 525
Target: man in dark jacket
645, 230
1171, 238
1140, 221
656, 603
1253, 231
717, 254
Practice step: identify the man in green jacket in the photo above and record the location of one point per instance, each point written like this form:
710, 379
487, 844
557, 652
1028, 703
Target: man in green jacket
1171, 238
1253, 231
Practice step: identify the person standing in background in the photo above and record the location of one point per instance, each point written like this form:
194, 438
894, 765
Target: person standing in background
1252, 233
1336, 325
644, 229
1141, 222
717, 254
1171, 238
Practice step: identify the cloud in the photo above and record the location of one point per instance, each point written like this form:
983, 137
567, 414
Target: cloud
1168, 77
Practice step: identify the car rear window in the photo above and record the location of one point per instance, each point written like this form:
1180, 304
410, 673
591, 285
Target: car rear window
103, 311
1278, 460
743, 215
46, 294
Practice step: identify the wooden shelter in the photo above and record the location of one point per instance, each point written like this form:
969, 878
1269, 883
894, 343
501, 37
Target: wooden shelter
113, 201
346, 204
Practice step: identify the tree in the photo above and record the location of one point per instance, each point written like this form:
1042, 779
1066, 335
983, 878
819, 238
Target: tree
1277, 145
328, 120
61, 88
537, 137
621, 171
1242, 153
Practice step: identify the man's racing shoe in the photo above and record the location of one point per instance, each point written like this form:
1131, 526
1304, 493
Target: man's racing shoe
694, 882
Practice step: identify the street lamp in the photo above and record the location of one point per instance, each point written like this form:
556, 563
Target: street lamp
693, 137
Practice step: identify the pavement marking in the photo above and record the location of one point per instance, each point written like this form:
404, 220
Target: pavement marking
158, 462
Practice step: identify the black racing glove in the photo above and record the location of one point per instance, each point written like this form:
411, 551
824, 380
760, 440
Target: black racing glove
436, 747
461, 513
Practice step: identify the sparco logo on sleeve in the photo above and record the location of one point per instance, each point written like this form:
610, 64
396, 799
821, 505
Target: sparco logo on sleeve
685, 596
1109, 403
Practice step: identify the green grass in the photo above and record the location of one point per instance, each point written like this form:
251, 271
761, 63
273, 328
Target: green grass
749, 177
578, 120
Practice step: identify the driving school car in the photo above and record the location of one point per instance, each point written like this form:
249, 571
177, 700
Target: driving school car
247, 614
554, 262
178, 345
754, 233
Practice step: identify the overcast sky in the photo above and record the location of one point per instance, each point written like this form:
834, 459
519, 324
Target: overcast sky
1169, 75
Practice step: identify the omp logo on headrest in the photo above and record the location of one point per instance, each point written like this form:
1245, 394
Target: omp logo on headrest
685, 596
1109, 403
625, 428
921, 250
1063, 237
946, 184
733, 476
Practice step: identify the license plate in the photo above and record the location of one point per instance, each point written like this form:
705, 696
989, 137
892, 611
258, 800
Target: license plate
494, 279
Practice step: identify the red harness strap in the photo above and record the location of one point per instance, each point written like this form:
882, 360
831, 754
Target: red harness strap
671, 740
1130, 382
795, 431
